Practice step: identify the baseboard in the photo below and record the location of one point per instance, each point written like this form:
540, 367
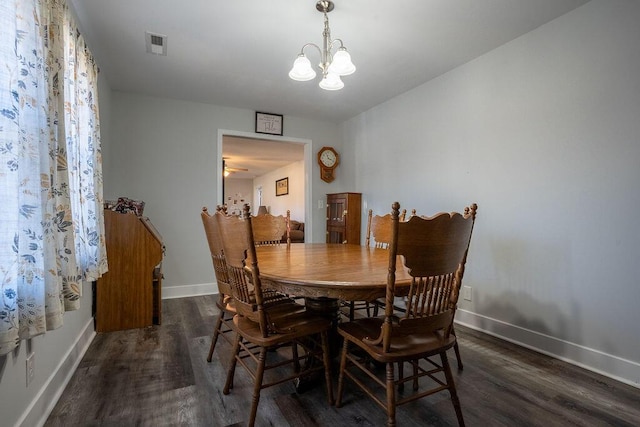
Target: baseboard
617, 368
44, 402
170, 292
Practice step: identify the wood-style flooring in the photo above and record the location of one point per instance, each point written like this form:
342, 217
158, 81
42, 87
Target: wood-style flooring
159, 376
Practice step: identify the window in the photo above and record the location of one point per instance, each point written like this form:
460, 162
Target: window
51, 224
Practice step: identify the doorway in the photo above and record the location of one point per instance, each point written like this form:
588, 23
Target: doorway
268, 141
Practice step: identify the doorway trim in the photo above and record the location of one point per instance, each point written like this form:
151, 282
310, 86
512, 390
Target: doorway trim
307, 167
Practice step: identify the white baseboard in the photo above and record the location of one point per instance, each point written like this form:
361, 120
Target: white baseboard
170, 292
44, 402
617, 368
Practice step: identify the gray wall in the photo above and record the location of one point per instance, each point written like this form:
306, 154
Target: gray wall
164, 153
544, 134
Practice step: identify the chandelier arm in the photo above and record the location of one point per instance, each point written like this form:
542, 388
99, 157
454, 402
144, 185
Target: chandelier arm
336, 40
311, 44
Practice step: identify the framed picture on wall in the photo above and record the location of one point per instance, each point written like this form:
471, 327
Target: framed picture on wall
282, 186
269, 123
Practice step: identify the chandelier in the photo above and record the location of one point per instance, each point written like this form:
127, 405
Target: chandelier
332, 65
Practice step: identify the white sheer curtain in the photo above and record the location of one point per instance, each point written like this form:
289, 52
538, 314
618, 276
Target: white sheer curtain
51, 223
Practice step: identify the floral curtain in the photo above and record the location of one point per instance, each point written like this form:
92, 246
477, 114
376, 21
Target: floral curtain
51, 224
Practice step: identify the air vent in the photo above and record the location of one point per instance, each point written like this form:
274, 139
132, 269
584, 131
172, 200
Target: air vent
156, 43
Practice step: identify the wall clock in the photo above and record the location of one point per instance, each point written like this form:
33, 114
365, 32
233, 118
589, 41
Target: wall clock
328, 160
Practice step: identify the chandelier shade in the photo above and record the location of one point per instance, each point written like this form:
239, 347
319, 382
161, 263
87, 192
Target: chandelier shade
302, 70
332, 65
341, 63
331, 81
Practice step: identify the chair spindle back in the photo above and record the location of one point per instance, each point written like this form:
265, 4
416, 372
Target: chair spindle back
434, 250
214, 240
268, 229
242, 266
379, 227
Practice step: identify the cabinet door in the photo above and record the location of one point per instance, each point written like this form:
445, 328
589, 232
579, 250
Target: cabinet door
336, 207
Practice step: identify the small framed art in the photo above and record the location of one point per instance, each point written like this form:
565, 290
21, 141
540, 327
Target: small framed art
269, 123
282, 186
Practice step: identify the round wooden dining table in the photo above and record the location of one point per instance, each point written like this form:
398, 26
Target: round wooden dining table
324, 273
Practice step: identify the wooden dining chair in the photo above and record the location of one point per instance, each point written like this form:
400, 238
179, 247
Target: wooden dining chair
268, 230
434, 252
224, 323
402, 308
400, 304
267, 326
225, 302
379, 229
378, 236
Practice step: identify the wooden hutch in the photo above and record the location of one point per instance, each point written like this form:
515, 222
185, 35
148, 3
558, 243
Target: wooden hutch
129, 294
344, 212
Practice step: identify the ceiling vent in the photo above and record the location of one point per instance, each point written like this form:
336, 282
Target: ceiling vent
156, 43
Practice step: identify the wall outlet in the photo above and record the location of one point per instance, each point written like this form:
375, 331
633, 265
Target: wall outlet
320, 204
31, 368
466, 293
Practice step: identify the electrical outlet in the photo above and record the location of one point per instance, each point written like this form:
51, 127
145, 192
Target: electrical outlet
320, 204
31, 368
466, 293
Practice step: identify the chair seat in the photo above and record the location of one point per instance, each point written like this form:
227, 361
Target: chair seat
290, 323
272, 300
408, 347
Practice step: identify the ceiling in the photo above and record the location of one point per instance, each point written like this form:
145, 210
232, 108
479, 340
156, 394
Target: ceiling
238, 53
258, 156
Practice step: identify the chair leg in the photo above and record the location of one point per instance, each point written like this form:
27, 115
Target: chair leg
327, 365
352, 310
452, 388
458, 358
216, 332
391, 396
296, 359
257, 386
343, 365
232, 366
457, 350
400, 375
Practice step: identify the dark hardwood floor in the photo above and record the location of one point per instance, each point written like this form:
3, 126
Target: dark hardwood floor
159, 376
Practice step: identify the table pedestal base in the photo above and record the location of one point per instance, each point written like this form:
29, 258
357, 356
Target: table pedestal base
328, 308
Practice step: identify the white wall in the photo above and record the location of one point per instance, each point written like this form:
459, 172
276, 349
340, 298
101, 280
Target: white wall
544, 134
164, 152
294, 201
237, 193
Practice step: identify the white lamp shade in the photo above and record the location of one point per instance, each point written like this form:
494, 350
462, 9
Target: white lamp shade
302, 70
341, 63
331, 82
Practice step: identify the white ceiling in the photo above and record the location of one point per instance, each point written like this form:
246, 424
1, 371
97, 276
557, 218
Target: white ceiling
238, 53
258, 156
